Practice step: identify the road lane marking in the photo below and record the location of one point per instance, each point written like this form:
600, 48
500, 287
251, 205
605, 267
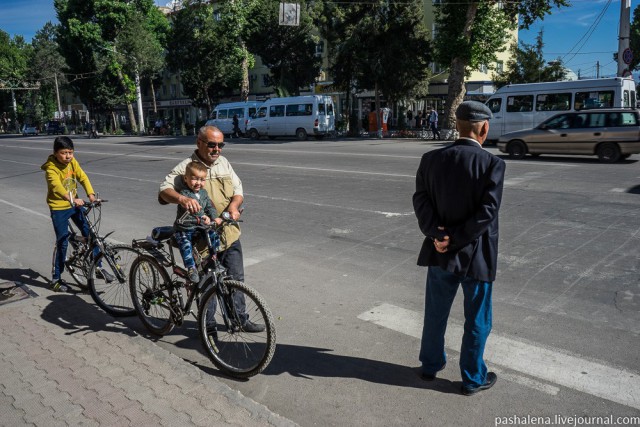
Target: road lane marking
552, 365
325, 205
25, 209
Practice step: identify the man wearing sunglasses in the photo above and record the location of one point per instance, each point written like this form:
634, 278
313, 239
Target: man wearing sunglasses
225, 191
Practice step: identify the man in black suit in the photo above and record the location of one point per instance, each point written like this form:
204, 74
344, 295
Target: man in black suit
457, 198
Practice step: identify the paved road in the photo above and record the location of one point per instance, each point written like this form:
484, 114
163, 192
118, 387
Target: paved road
331, 241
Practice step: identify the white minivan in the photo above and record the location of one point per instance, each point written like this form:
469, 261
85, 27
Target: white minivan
298, 116
222, 116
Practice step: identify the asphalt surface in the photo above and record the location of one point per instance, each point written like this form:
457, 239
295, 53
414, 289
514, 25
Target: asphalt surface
330, 242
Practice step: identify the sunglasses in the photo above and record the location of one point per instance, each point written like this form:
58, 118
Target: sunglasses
215, 145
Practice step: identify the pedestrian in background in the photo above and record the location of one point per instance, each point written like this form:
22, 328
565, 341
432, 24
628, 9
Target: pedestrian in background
433, 123
418, 119
457, 199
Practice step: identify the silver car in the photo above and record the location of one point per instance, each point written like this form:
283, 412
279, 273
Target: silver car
610, 134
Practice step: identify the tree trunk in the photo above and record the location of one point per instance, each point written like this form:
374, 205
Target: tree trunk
456, 73
132, 117
244, 90
153, 96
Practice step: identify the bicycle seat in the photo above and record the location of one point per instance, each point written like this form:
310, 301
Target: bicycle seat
162, 233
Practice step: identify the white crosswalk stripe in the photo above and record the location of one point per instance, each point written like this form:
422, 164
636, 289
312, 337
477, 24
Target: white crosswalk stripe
552, 365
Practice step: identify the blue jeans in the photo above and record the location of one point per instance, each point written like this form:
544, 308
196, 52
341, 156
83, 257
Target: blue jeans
60, 221
231, 259
185, 245
441, 291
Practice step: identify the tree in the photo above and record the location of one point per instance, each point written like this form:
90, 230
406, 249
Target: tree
46, 66
289, 52
634, 39
382, 46
14, 60
472, 33
95, 39
527, 65
205, 52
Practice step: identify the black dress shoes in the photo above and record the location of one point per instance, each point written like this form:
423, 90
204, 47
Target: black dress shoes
489, 381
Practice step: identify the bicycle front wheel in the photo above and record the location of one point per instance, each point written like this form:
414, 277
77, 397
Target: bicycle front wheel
152, 295
225, 312
109, 280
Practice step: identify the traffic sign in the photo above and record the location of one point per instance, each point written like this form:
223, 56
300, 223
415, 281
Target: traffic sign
627, 56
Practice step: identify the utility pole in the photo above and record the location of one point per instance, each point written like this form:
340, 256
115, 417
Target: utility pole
597, 69
624, 53
55, 79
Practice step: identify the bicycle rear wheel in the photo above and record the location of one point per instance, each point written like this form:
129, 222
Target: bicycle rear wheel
221, 318
109, 280
152, 294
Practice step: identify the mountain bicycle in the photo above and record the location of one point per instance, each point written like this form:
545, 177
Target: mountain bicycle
97, 265
224, 305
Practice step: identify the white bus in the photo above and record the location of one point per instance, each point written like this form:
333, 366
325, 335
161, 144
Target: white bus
222, 116
524, 106
298, 116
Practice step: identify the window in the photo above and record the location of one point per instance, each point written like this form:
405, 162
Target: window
629, 119
320, 48
238, 111
633, 99
265, 80
562, 121
596, 120
553, 102
499, 67
214, 115
330, 109
276, 111
173, 90
262, 112
299, 110
320, 108
519, 103
626, 99
595, 99
252, 111
483, 68
222, 114
495, 104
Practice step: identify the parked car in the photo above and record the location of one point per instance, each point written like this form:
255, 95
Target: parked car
29, 130
609, 133
54, 128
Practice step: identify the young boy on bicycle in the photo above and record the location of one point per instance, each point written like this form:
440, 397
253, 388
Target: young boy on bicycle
63, 173
194, 178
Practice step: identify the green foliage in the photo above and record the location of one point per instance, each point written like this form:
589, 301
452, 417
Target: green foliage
634, 39
206, 51
381, 44
527, 65
470, 33
288, 51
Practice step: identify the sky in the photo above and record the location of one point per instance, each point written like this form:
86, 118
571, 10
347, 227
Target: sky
581, 35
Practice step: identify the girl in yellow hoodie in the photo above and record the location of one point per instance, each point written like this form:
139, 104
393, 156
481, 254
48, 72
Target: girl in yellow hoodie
62, 171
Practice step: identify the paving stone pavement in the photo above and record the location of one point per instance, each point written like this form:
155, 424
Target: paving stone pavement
64, 362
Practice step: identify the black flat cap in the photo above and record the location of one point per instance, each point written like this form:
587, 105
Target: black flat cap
473, 111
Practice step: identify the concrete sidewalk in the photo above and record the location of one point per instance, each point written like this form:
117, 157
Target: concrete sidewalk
65, 362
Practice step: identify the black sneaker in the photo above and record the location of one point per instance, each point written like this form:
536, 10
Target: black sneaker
489, 381
59, 285
193, 275
101, 273
249, 326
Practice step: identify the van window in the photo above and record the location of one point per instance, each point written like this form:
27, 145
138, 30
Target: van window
495, 104
626, 99
330, 109
214, 115
629, 119
519, 103
238, 111
595, 99
262, 112
299, 110
222, 114
553, 102
276, 111
252, 111
320, 108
